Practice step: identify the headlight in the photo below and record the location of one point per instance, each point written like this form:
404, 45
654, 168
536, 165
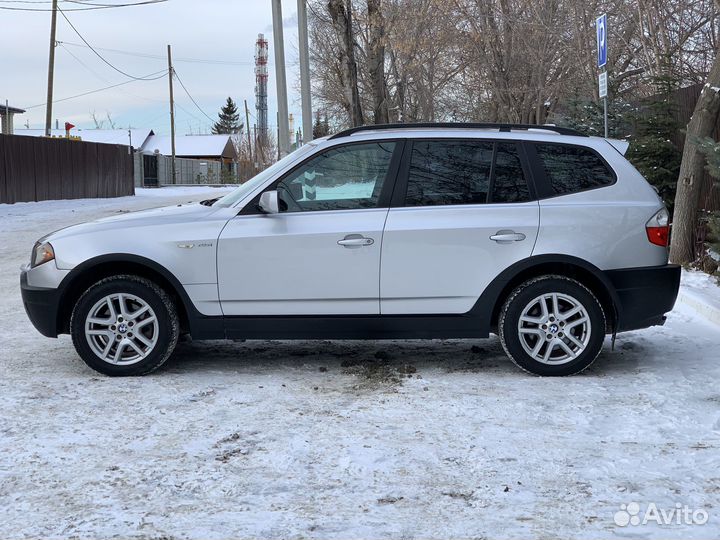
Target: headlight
42, 253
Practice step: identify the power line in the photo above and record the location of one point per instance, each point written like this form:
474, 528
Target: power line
159, 57
129, 4
163, 73
103, 79
191, 98
183, 109
83, 64
90, 7
97, 53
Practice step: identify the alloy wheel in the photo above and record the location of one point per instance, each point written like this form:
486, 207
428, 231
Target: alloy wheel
554, 328
121, 329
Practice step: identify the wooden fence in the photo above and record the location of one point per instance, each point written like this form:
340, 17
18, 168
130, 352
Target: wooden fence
38, 169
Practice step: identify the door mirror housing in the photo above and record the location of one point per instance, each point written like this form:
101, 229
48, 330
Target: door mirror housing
268, 203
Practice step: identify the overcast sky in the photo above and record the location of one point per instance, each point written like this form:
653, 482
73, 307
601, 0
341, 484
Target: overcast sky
216, 30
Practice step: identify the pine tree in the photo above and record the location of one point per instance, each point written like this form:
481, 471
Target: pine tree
587, 117
229, 122
711, 149
321, 127
651, 150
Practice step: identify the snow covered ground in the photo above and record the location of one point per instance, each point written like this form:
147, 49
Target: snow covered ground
349, 439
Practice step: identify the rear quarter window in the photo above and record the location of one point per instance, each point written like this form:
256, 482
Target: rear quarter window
570, 169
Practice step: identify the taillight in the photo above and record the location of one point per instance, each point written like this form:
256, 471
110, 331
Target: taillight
658, 228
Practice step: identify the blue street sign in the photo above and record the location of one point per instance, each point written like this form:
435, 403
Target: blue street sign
601, 29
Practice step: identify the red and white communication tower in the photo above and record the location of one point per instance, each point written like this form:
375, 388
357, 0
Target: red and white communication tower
261, 80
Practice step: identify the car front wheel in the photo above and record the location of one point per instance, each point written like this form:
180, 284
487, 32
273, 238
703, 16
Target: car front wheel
552, 325
124, 325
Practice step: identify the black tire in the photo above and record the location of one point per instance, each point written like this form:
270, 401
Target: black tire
168, 327
522, 297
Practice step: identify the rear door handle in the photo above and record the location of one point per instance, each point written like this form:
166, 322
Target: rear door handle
355, 240
505, 237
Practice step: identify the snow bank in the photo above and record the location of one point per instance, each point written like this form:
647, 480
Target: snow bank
330, 440
701, 292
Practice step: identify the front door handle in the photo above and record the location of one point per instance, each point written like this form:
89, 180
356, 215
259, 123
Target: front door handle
355, 241
506, 237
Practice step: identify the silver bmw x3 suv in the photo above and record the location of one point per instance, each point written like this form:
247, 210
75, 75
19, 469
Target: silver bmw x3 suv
546, 237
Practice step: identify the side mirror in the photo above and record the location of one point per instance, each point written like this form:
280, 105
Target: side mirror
268, 203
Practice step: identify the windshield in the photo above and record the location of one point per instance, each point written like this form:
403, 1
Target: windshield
259, 179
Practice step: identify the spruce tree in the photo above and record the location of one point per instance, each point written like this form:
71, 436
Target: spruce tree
587, 117
711, 150
320, 127
229, 122
652, 150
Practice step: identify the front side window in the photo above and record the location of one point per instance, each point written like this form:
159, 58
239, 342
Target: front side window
570, 169
264, 176
343, 178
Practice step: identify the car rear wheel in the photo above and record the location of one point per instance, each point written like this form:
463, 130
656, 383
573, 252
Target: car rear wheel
124, 325
552, 325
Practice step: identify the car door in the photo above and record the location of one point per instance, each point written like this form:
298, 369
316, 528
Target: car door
462, 213
320, 255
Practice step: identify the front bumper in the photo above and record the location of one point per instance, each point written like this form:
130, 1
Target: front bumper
41, 305
644, 295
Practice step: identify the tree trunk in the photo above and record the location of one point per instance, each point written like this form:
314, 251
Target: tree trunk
692, 168
376, 61
341, 16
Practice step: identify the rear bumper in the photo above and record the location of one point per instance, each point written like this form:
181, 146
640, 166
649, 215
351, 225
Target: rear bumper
41, 306
644, 295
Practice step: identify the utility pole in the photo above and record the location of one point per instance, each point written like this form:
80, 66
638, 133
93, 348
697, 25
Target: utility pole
51, 70
172, 113
304, 72
281, 83
247, 126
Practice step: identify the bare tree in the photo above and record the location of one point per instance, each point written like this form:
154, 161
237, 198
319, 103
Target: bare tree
376, 61
98, 122
703, 121
496, 60
341, 15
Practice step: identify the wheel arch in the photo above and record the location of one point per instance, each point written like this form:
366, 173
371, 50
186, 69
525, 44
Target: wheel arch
93, 270
573, 267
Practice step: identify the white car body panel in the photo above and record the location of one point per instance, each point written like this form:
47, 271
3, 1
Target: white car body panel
291, 264
435, 259
439, 259
182, 239
46, 275
604, 226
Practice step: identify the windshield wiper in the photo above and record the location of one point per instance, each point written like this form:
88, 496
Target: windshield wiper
209, 202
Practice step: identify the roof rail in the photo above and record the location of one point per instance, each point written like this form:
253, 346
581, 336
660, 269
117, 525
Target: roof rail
459, 125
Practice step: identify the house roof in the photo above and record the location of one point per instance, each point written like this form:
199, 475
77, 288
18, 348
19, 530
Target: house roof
105, 136
12, 110
192, 146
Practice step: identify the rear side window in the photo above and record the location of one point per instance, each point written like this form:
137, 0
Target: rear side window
454, 172
509, 183
570, 169
449, 172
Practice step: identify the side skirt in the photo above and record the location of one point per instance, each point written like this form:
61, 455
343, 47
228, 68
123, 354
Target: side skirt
342, 327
